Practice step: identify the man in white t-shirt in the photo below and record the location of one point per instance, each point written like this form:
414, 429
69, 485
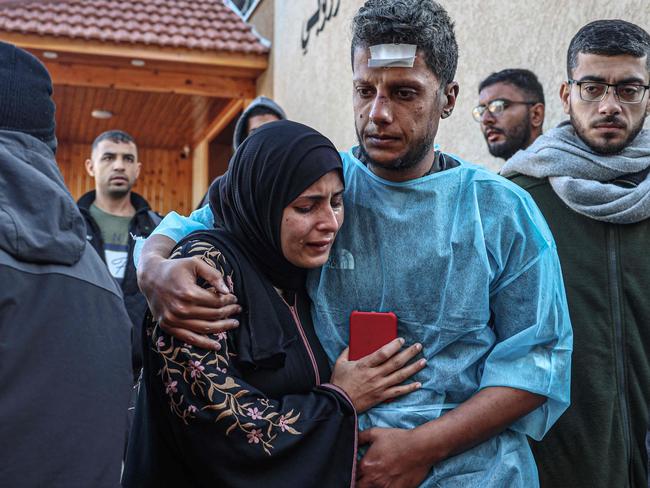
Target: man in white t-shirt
113, 212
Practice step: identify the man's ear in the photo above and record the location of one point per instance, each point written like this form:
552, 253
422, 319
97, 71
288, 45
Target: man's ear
450, 95
565, 96
138, 168
90, 169
537, 115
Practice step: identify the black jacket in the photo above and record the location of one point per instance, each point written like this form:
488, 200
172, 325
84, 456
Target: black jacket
142, 224
600, 440
65, 375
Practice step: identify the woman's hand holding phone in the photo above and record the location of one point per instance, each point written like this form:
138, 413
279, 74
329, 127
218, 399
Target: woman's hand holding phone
377, 377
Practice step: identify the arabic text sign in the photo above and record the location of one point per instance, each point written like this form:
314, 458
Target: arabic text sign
325, 11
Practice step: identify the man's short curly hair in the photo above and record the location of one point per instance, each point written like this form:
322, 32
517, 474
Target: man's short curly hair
421, 22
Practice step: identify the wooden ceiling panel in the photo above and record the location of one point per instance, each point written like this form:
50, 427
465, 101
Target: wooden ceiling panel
162, 120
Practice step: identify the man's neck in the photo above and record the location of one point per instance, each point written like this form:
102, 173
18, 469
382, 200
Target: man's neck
533, 136
121, 207
424, 167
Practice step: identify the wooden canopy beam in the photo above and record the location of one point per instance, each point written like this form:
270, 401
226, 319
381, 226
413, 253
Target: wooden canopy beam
221, 121
142, 79
201, 152
200, 162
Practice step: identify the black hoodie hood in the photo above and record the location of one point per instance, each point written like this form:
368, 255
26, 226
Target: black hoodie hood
242, 123
39, 220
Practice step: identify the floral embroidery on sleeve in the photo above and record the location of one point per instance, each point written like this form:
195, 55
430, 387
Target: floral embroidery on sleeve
193, 377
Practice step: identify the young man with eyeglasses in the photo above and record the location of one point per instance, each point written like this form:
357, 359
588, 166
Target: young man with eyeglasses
589, 177
510, 111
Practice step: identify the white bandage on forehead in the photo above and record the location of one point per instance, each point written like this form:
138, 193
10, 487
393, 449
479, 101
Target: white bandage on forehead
392, 56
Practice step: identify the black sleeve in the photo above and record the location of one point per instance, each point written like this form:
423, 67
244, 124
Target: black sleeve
230, 431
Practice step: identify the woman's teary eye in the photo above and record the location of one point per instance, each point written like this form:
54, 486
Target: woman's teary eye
303, 210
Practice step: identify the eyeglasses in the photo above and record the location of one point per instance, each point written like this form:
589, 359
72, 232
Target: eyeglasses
596, 91
495, 107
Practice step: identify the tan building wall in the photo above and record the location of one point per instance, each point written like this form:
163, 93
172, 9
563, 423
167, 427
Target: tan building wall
315, 86
263, 20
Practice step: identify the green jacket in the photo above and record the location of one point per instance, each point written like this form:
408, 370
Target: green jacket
600, 439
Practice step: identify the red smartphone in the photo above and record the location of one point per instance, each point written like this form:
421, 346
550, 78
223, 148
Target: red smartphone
369, 331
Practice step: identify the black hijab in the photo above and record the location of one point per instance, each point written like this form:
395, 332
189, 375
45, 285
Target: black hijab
270, 169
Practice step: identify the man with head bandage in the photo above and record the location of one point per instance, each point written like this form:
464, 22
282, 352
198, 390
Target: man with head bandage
461, 256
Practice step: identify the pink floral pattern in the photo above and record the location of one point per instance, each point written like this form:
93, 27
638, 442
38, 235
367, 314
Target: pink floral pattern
255, 436
198, 382
170, 387
196, 369
254, 413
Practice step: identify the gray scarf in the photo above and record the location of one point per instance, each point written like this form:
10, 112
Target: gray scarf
586, 181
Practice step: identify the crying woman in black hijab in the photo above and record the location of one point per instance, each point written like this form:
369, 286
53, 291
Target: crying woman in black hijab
267, 397
257, 202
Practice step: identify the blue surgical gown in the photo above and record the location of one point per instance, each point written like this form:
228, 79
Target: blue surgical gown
467, 263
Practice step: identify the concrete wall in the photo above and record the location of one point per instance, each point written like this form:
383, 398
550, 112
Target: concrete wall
315, 86
263, 19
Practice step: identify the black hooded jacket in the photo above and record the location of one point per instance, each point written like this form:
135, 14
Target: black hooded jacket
65, 373
142, 224
241, 128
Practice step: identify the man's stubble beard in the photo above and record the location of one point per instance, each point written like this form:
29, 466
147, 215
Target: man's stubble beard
412, 157
516, 140
119, 193
604, 148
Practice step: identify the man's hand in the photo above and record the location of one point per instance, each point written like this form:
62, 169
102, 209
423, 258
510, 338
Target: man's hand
401, 458
391, 460
183, 308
